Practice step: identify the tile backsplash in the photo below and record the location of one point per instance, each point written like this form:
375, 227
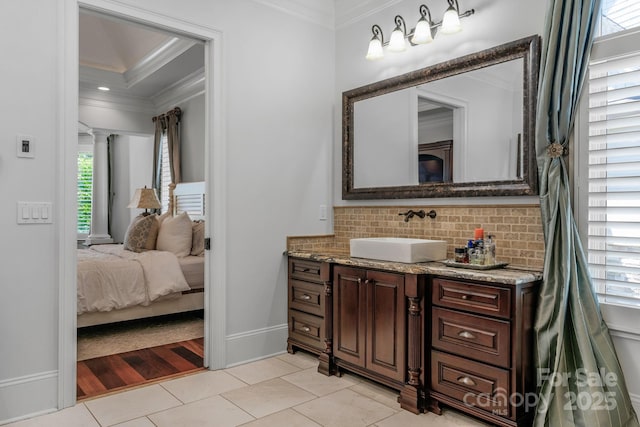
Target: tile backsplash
517, 229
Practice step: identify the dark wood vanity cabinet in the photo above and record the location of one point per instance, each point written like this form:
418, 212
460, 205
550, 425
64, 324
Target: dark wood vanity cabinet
438, 340
369, 312
309, 309
481, 349
378, 329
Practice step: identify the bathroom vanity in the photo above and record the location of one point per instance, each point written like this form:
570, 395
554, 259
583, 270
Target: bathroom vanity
439, 335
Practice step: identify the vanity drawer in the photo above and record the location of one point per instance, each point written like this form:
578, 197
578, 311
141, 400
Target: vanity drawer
304, 269
474, 384
307, 297
480, 338
477, 298
306, 329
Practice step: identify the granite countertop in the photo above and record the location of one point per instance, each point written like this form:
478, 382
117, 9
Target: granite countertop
509, 275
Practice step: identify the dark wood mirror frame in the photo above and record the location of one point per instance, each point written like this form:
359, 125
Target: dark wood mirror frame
527, 49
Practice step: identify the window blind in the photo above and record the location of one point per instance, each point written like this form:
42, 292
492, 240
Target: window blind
614, 179
85, 192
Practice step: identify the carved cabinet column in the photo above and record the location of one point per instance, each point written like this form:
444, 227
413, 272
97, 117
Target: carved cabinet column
411, 396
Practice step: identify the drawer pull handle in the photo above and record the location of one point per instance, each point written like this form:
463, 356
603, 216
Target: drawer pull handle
305, 270
466, 334
306, 329
466, 381
465, 297
306, 297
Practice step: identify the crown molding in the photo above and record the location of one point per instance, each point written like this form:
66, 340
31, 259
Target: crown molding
181, 91
97, 77
321, 12
114, 101
352, 11
156, 59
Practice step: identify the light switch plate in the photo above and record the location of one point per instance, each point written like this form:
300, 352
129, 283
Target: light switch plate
34, 213
25, 146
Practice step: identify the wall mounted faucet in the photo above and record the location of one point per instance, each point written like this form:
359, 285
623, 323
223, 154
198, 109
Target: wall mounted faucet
421, 213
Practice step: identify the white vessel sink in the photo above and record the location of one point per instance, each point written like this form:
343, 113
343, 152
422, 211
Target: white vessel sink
399, 249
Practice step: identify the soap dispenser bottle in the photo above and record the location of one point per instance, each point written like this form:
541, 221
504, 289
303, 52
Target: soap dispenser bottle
490, 251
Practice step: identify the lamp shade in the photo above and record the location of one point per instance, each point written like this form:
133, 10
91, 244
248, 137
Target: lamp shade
145, 198
450, 21
422, 33
397, 43
375, 49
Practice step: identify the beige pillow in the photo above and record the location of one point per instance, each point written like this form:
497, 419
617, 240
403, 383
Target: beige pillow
176, 235
142, 233
197, 246
163, 217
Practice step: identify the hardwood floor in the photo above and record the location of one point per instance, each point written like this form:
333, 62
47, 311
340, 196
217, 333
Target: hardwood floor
106, 374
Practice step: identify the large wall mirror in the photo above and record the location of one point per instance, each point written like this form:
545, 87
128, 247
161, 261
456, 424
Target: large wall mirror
464, 127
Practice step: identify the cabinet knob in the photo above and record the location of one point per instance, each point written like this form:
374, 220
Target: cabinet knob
305, 297
465, 297
306, 328
359, 281
466, 334
466, 381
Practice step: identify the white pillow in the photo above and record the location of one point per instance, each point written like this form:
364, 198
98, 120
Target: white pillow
175, 235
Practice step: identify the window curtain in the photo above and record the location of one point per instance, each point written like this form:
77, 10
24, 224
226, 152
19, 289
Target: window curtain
110, 177
173, 143
159, 122
580, 382
168, 123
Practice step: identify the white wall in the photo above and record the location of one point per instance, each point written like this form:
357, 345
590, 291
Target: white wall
192, 127
517, 19
278, 118
28, 306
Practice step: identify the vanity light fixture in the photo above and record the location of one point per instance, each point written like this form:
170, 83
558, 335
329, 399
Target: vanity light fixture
397, 42
375, 45
423, 32
450, 20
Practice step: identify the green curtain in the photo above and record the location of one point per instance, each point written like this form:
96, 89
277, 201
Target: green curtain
580, 381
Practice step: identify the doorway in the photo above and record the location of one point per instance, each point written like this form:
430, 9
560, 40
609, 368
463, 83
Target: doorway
214, 171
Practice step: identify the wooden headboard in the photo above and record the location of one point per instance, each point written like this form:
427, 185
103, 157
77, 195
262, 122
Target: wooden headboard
187, 197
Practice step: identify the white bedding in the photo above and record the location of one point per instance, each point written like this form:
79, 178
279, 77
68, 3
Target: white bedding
111, 278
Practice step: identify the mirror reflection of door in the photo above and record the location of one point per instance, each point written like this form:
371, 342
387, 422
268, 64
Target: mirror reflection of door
435, 140
434, 162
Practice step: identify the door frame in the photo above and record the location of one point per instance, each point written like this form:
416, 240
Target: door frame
66, 203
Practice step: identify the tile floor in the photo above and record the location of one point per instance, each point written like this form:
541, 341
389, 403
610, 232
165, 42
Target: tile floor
280, 391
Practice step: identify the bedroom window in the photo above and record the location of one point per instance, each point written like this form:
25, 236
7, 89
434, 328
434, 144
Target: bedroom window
608, 175
165, 177
85, 191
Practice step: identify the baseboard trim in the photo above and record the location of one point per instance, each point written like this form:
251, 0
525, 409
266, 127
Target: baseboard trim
28, 396
257, 344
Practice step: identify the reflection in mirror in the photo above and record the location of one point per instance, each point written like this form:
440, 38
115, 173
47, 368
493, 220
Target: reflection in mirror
460, 128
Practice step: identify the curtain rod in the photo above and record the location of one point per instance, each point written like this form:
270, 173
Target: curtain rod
177, 111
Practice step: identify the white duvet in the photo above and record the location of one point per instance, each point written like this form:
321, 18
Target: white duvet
111, 278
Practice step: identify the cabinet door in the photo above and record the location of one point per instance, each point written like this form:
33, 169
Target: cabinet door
386, 329
349, 315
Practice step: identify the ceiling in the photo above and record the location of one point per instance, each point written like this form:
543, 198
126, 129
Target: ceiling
133, 59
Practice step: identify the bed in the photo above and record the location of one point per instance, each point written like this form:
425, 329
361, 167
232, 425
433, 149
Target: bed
149, 274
